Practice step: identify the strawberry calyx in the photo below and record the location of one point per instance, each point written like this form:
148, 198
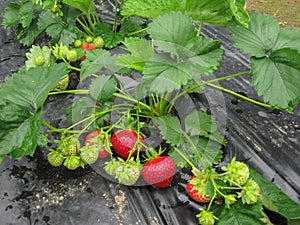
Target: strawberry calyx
250, 192
206, 217
236, 173
128, 172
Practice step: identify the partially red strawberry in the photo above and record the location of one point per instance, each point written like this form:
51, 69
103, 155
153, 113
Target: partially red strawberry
196, 194
86, 47
159, 171
125, 143
94, 139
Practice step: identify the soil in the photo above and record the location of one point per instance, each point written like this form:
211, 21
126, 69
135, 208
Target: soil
287, 12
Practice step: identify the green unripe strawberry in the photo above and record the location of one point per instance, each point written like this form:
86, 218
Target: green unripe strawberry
250, 193
237, 173
72, 162
55, 158
128, 174
69, 145
89, 39
77, 43
98, 42
72, 55
206, 217
60, 51
89, 154
111, 167
39, 60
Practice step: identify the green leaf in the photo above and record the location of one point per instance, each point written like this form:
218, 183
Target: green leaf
137, 58
149, 8
80, 108
60, 29
26, 13
11, 15
30, 88
85, 6
27, 36
258, 38
288, 38
215, 12
199, 123
103, 88
175, 27
97, 60
163, 74
23, 135
274, 55
170, 129
276, 77
110, 37
210, 152
238, 8
275, 200
240, 213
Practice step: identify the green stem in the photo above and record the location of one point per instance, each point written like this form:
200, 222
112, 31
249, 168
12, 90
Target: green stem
205, 83
184, 157
85, 27
77, 92
137, 32
240, 96
199, 28
194, 147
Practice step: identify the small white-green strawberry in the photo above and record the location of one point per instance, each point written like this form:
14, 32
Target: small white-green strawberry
55, 158
128, 172
89, 154
111, 166
236, 173
250, 193
69, 145
72, 162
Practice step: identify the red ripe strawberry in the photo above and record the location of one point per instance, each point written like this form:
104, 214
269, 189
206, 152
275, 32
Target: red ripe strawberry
93, 139
196, 194
87, 47
159, 171
124, 141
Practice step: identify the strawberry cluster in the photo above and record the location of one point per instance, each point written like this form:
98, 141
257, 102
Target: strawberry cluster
207, 186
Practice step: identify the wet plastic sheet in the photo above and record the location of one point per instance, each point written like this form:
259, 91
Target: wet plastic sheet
33, 192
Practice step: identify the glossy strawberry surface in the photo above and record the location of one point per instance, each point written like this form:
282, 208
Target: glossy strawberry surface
159, 171
195, 194
125, 141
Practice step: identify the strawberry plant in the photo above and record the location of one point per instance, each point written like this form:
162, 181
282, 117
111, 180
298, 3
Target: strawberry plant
161, 45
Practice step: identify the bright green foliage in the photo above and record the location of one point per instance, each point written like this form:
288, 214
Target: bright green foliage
137, 58
103, 88
30, 88
21, 131
24, 16
85, 6
110, 37
274, 55
185, 56
238, 8
170, 129
62, 30
240, 213
216, 12
97, 60
199, 123
149, 8
275, 200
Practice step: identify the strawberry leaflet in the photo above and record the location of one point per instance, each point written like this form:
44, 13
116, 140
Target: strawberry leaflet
274, 55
